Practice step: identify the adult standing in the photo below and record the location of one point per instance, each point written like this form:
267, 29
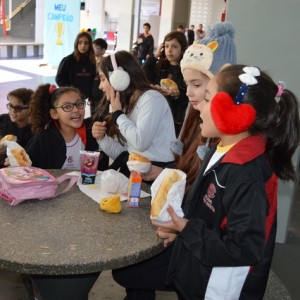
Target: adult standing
200, 33
191, 35
144, 44
79, 68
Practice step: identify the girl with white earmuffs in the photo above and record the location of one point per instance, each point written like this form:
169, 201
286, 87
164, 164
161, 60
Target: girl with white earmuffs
140, 121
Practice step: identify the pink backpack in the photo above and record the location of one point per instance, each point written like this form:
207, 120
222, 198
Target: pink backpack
18, 184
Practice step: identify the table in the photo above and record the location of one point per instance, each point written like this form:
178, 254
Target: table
71, 235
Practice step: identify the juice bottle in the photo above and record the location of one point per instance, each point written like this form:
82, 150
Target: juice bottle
134, 189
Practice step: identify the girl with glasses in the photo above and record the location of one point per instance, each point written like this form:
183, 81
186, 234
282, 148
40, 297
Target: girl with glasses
16, 121
57, 118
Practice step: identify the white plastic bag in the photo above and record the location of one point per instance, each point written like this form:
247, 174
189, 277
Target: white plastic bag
174, 197
114, 182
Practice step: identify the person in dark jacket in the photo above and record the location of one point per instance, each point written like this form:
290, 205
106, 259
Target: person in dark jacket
79, 68
60, 129
16, 121
223, 246
144, 45
166, 64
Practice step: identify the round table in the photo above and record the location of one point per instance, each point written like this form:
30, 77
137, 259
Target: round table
71, 235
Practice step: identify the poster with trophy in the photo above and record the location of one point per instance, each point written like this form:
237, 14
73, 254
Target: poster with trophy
62, 24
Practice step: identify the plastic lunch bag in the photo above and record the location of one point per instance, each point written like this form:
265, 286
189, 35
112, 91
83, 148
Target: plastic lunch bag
18, 184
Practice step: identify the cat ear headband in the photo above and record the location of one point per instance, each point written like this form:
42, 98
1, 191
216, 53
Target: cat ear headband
232, 116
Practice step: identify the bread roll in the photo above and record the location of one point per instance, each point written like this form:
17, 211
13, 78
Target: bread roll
21, 156
9, 137
161, 196
168, 83
138, 157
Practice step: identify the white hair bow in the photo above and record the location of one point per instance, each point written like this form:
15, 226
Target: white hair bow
249, 76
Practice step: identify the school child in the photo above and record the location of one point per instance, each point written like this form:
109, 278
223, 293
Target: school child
78, 69
99, 46
57, 119
226, 239
166, 64
141, 119
16, 122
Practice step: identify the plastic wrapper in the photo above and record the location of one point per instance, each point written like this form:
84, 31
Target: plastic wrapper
114, 182
16, 154
173, 196
138, 163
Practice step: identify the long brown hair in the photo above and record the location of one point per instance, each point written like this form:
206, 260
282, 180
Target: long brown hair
90, 55
138, 85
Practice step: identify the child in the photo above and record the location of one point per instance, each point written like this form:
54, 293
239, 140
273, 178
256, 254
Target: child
16, 122
79, 68
57, 118
166, 64
226, 239
144, 45
141, 120
99, 46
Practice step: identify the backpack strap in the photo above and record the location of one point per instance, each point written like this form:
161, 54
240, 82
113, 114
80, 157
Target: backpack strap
64, 177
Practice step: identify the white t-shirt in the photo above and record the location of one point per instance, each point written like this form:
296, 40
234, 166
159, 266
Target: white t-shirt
149, 130
73, 153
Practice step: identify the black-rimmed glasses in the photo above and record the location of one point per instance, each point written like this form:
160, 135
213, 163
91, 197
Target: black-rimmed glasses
67, 107
17, 108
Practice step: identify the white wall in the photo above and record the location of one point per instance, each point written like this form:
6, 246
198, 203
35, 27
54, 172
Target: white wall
268, 36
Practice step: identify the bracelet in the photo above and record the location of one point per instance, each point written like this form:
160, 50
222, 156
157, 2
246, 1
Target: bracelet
116, 114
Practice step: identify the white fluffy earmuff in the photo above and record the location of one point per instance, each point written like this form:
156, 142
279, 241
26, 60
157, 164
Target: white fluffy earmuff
119, 79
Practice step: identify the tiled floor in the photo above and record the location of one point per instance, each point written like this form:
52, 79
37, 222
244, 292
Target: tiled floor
30, 73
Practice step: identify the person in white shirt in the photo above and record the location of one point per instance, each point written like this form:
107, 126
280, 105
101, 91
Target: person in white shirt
141, 120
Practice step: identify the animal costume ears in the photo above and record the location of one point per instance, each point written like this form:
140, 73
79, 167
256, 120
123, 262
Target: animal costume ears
199, 57
232, 116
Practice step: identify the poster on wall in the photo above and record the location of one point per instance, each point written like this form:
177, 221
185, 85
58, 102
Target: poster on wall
62, 23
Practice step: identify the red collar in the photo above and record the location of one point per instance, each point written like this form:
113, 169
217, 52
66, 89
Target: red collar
81, 131
245, 150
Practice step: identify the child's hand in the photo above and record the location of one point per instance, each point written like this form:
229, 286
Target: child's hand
114, 98
159, 50
99, 130
154, 172
6, 162
169, 229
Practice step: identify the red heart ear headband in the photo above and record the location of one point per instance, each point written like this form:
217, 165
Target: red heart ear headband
232, 116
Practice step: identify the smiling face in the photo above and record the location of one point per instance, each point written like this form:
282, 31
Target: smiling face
196, 83
173, 51
71, 119
208, 127
18, 111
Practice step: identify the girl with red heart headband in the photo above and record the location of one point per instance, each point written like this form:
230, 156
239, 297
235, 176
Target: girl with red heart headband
225, 240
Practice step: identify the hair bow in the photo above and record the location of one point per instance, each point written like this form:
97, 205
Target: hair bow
52, 88
247, 78
281, 87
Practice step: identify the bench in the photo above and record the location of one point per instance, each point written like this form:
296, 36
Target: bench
21, 50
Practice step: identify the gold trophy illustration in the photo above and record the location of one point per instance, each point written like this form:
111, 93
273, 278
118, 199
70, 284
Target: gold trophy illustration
59, 29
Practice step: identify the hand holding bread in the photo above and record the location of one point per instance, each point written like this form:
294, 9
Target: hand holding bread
167, 189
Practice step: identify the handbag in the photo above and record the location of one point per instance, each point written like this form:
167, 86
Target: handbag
18, 184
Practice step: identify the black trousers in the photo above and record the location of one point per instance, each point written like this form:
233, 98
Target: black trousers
142, 279
65, 287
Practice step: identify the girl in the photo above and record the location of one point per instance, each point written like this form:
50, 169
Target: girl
226, 239
57, 118
141, 120
198, 59
166, 64
79, 68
